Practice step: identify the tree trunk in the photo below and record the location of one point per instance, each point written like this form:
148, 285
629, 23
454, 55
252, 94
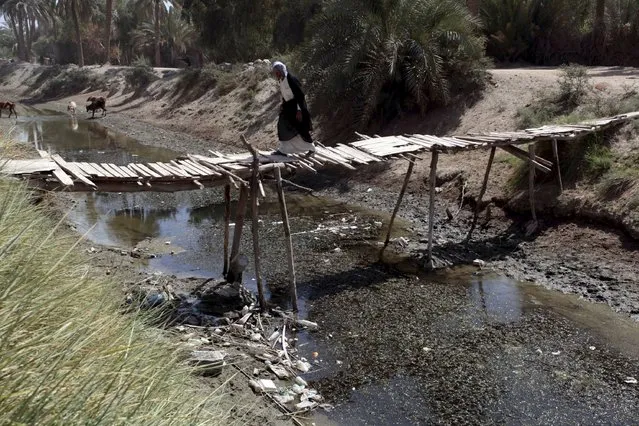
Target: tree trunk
78, 33
23, 55
599, 30
109, 19
158, 57
474, 6
16, 33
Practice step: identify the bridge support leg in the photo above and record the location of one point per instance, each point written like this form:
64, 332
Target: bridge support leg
557, 168
289, 242
409, 172
531, 190
239, 223
431, 210
255, 231
227, 224
481, 193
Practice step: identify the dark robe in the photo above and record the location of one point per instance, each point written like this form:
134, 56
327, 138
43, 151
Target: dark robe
288, 126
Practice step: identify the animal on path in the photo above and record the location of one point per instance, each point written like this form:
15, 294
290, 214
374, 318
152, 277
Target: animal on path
96, 103
10, 106
71, 107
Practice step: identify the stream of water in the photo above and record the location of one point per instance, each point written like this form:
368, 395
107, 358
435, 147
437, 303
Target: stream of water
191, 223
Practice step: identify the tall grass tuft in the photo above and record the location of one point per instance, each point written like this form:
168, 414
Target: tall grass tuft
68, 355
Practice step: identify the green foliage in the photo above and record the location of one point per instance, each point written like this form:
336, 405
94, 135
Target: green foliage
69, 356
574, 83
372, 59
617, 182
140, 75
7, 41
599, 160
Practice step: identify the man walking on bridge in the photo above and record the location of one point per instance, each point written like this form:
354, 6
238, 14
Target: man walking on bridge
294, 125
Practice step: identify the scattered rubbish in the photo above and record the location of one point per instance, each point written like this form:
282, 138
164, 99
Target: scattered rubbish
540, 352
298, 389
556, 353
256, 337
302, 366
315, 354
306, 405
307, 324
592, 348
631, 380
301, 382
378, 224
337, 250
480, 263
168, 243
369, 190
263, 385
284, 398
279, 371
256, 371
211, 362
338, 362
426, 349
438, 190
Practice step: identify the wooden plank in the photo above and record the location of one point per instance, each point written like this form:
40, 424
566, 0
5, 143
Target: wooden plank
153, 173
18, 167
140, 171
203, 170
161, 170
187, 168
126, 171
115, 173
174, 170
89, 171
73, 169
98, 170
482, 192
64, 178
555, 152
292, 286
431, 207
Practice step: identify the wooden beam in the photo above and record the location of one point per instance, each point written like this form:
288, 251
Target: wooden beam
431, 207
531, 182
409, 172
555, 151
523, 155
239, 222
255, 183
292, 285
227, 224
481, 193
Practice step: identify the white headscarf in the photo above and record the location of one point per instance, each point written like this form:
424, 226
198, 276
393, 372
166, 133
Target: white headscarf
279, 66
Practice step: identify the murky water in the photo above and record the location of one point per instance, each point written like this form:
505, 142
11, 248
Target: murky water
526, 386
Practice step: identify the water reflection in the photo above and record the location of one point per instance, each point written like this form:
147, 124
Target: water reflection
497, 298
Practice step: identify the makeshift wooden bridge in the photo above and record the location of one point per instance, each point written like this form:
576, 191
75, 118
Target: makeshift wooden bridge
246, 170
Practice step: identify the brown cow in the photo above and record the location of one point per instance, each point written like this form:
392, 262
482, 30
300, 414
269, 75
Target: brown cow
97, 102
10, 106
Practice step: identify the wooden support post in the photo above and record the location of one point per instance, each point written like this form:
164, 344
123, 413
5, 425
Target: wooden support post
256, 236
289, 242
531, 185
557, 168
239, 222
227, 224
482, 193
255, 188
409, 172
431, 210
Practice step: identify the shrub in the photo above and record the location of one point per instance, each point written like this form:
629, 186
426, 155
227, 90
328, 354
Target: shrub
599, 160
370, 60
574, 83
68, 355
140, 76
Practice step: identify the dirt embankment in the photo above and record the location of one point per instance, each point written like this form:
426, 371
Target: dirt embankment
194, 112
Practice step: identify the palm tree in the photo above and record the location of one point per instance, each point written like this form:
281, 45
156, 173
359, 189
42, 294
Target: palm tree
157, 6
176, 33
375, 57
599, 28
109, 22
23, 17
76, 10
474, 6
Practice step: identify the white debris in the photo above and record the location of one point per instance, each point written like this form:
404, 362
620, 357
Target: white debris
556, 353
256, 337
298, 389
369, 190
306, 405
631, 380
284, 398
479, 262
337, 250
256, 371
592, 348
426, 349
307, 324
263, 385
338, 362
300, 381
279, 371
540, 352
168, 243
303, 366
